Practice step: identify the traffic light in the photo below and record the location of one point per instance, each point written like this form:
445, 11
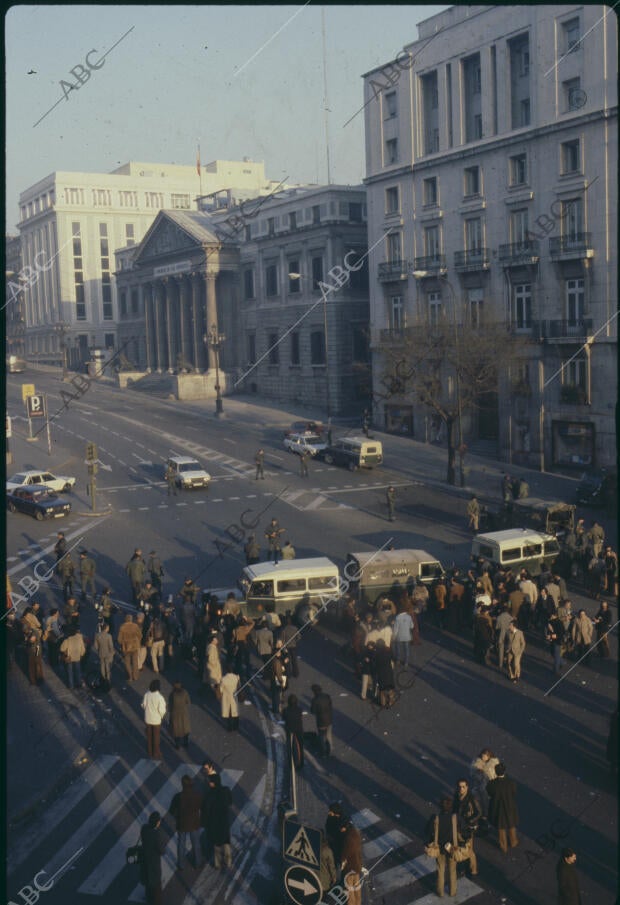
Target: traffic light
91, 452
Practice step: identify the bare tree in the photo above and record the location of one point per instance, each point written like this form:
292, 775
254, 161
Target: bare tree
448, 368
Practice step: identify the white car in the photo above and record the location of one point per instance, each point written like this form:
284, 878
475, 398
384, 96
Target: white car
59, 483
306, 442
188, 473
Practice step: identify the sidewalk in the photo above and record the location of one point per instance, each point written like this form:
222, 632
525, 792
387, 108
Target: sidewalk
49, 729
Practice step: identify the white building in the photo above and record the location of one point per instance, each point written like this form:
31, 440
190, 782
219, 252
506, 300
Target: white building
491, 149
70, 225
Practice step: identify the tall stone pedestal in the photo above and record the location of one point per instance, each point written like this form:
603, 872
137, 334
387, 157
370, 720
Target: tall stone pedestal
198, 386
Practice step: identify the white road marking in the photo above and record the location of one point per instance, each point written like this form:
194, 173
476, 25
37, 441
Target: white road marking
363, 819
383, 844
317, 502
466, 889
403, 875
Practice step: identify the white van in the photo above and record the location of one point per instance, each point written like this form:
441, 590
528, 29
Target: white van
517, 548
299, 585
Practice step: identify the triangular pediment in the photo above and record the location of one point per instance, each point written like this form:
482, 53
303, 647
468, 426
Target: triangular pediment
165, 237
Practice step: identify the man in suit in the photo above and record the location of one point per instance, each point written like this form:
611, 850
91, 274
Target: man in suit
515, 646
568, 883
503, 812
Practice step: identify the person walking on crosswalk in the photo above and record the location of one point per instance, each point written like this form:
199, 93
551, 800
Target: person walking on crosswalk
154, 706
153, 847
216, 807
185, 808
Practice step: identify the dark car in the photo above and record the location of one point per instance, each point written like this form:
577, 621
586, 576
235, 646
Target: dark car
39, 502
598, 488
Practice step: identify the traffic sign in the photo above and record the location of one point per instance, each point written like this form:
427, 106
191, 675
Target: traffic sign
27, 390
36, 406
303, 885
302, 844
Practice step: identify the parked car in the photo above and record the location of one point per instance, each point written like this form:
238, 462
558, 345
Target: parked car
39, 502
59, 483
354, 452
188, 472
306, 442
598, 488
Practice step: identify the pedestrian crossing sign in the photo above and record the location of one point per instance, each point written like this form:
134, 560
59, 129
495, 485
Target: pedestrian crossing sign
302, 844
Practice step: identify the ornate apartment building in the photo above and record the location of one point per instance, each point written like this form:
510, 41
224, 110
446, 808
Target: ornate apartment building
492, 155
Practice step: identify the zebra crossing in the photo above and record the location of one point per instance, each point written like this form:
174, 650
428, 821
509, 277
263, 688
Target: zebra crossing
100, 815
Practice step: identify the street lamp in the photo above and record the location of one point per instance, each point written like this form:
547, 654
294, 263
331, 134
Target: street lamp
328, 401
420, 274
215, 340
60, 329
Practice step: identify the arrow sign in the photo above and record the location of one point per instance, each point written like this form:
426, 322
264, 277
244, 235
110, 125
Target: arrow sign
303, 885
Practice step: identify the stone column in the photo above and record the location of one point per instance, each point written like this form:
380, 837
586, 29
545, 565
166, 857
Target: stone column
196, 319
158, 299
182, 294
211, 314
169, 323
145, 291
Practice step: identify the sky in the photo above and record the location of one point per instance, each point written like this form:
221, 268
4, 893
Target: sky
243, 81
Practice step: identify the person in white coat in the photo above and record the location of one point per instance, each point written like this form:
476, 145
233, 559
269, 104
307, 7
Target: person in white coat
154, 706
230, 709
402, 636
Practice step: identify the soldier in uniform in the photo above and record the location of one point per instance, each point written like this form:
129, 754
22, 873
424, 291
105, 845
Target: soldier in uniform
390, 496
60, 547
272, 534
87, 573
252, 551
171, 480
260, 464
136, 570
473, 511
303, 463
156, 569
66, 573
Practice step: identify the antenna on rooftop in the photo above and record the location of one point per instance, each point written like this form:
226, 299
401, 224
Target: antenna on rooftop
325, 104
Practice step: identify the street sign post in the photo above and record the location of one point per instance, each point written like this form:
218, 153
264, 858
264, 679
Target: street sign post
301, 844
35, 406
303, 885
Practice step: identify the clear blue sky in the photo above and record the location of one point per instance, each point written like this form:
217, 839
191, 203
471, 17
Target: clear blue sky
173, 81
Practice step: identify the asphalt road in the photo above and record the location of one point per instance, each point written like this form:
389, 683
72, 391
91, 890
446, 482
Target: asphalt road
388, 766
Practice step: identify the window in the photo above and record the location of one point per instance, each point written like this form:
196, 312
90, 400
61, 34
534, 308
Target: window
122, 303
434, 307
102, 198
73, 196
135, 301
429, 188
180, 202
390, 104
394, 247
391, 150
575, 372
317, 271
295, 353
360, 349
575, 301
519, 227
128, 199
397, 312
476, 77
251, 337
571, 157
524, 61
573, 95
522, 305
154, 200
472, 180
316, 213
358, 278
518, 169
108, 341
271, 226
274, 349
355, 212
271, 279
248, 284
78, 273
292, 220
294, 283
432, 242
392, 200
106, 279
473, 234
572, 35
475, 299
524, 111
317, 347
129, 234
572, 220
477, 126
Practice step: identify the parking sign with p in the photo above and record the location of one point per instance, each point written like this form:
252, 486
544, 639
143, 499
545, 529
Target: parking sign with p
36, 406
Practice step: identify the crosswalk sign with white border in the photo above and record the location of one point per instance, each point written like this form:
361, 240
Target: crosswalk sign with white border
302, 844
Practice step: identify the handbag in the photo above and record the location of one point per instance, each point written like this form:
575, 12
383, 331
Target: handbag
432, 849
134, 854
458, 852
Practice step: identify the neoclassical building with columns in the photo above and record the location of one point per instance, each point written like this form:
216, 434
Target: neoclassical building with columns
173, 289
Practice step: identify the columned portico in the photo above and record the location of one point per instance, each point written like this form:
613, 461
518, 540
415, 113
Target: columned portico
211, 315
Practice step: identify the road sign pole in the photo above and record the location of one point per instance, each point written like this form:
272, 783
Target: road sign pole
47, 425
293, 774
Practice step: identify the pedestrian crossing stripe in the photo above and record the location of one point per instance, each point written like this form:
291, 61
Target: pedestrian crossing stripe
301, 849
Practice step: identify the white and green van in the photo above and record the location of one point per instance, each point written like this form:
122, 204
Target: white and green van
303, 586
517, 548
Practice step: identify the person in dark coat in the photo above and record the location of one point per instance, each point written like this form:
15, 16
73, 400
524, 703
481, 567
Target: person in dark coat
153, 847
178, 708
294, 725
503, 812
334, 830
186, 810
216, 821
384, 673
568, 882
323, 712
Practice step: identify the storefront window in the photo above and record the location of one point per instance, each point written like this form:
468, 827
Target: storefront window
573, 443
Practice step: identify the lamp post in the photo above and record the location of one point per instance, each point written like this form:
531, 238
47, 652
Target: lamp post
328, 401
420, 274
61, 329
215, 340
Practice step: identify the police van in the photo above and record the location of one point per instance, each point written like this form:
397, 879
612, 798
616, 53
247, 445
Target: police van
517, 548
303, 586
381, 572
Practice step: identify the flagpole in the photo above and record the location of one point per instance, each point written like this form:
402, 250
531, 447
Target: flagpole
199, 168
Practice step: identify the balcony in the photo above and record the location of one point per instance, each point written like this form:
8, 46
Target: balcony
573, 330
431, 263
472, 259
575, 246
519, 253
391, 271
